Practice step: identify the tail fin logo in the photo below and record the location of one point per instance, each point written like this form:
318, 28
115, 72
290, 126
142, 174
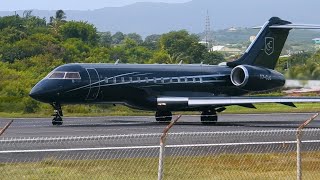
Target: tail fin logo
269, 45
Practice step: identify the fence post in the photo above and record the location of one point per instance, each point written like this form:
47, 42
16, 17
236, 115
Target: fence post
5, 128
162, 147
299, 136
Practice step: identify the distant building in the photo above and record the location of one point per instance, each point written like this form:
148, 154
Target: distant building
232, 29
204, 43
316, 40
225, 49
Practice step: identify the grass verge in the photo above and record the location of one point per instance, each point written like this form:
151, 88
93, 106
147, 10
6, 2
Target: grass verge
125, 111
224, 166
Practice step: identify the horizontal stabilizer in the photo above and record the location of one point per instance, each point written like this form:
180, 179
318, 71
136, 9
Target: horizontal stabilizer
292, 26
296, 26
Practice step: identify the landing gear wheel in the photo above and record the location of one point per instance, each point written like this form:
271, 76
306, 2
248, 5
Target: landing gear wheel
57, 120
209, 117
163, 116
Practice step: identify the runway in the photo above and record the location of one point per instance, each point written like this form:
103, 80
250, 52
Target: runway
86, 126
35, 139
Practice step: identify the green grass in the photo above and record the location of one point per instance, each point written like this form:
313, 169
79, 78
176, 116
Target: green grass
225, 166
125, 111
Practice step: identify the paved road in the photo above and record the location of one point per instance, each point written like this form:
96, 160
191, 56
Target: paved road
84, 126
125, 137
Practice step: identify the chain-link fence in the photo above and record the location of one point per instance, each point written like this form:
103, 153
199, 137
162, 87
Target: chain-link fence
203, 155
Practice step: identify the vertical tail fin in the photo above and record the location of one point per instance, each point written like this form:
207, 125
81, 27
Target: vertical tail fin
265, 50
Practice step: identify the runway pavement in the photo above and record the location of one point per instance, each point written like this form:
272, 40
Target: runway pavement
34, 139
84, 126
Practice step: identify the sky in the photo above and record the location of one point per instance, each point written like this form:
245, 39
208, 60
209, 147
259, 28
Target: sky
12, 5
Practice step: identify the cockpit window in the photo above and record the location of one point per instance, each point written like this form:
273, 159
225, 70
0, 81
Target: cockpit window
64, 75
57, 75
73, 75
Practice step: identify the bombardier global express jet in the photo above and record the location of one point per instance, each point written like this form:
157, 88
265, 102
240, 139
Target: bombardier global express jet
165, 88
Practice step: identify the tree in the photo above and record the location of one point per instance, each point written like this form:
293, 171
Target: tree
139, 55
213, 58
129, 43
11, 21
136, 37
152, 41
12, 34
118, 52
57, 21
160, 57
75, 50
27, 14
181, 42
106, 39
81, 30
60, 15
117, 38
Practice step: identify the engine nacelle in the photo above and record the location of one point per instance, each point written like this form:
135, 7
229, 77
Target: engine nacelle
252, 78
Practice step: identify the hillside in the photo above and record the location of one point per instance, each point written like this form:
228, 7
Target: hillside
157, 18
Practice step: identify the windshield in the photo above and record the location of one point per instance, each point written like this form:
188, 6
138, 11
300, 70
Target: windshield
64, 75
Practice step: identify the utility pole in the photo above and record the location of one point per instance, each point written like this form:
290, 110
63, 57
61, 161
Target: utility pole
208, 39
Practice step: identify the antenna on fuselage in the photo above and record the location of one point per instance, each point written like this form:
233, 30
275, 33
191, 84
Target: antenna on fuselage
117, 61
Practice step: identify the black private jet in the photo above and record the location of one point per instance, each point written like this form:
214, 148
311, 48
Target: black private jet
165, 88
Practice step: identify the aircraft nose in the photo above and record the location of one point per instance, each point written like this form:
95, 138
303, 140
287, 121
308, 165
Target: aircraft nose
36, 93
39, 93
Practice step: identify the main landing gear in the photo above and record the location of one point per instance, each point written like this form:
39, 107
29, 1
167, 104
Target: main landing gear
209, 117
163, 116
57, 114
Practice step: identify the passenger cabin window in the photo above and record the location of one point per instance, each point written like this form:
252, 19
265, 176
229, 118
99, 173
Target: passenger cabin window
175, 80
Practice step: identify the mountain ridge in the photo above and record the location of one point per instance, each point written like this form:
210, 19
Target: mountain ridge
147, 18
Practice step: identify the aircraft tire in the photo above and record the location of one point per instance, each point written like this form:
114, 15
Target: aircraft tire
209, 117
163, 116
57, 121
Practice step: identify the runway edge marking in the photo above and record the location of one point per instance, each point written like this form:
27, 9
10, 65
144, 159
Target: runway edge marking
153, 147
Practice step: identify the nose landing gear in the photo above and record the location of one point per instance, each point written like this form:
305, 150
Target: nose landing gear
57, 115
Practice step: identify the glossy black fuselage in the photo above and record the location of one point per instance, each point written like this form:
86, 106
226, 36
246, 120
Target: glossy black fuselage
135, 85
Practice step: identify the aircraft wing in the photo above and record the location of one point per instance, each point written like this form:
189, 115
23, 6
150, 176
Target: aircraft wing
226, 101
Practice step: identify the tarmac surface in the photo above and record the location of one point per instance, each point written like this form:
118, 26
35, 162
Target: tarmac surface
35, 139
85, 126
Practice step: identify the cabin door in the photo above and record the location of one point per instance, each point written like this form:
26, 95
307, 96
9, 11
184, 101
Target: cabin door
94, 82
